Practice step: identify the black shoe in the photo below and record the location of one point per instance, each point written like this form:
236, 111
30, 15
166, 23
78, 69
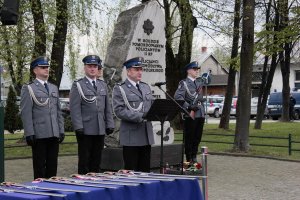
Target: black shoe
188, 158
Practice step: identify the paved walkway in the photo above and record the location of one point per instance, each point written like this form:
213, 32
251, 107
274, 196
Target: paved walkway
244, 178
232, 178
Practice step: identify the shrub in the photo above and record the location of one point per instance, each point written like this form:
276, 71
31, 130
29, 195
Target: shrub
68, 123
11, 117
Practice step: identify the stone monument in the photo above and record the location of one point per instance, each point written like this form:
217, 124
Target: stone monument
140, 31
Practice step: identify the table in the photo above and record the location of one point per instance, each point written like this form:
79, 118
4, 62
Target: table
183, 189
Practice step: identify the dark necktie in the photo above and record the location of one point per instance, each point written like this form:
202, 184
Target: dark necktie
94, 85
195, 83
138, 87
197, 89
46, 86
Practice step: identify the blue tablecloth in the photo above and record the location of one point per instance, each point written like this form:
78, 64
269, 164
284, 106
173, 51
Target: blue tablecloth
156, 190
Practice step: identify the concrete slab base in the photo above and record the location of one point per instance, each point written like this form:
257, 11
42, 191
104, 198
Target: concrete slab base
112, 157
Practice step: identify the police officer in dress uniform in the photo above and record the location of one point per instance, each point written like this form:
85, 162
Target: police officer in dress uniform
42, 120
190, 91
91, 115
292, 107
132, 100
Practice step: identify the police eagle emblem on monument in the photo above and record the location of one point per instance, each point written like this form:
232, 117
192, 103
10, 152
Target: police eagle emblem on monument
148, 26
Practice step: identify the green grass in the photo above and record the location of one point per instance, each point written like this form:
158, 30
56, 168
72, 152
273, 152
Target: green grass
276, 129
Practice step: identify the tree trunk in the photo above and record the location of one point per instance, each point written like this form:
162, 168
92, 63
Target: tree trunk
175, 64
19, 56
267, 88
16, 74
274, 62
241, 141
59, 41
9, 58
284, 57
260, 114
285, 72
224, 122
261, 103
39, 29
188, 23
172, 70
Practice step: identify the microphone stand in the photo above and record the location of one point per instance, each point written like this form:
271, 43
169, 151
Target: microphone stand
205, 80
183, 135
181, 108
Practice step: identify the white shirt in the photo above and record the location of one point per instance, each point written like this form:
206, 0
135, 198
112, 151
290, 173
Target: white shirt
193, 79
41, 81
133, 82
91, 80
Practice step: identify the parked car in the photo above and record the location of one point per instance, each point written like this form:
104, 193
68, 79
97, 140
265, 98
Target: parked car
4, 101
65, 106
253, 112
275, 105
213, 105
233, 107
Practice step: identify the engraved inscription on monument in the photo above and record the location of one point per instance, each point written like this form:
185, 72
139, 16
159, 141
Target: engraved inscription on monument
140, 31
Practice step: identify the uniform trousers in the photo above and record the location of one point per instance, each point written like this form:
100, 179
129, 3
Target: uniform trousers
44, 157
137, 158
89, 152
193, 133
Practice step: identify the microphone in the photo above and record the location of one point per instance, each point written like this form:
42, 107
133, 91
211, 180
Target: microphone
158, 84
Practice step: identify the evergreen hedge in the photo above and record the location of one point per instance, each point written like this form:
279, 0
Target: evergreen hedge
12, 119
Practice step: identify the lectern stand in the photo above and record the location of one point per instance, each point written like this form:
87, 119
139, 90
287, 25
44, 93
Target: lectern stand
163, 110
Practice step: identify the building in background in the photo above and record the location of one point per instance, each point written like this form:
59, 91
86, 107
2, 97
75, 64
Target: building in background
219, 74
277, 80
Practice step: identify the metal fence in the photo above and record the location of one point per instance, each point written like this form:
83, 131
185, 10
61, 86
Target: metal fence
289, 141
25, 145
